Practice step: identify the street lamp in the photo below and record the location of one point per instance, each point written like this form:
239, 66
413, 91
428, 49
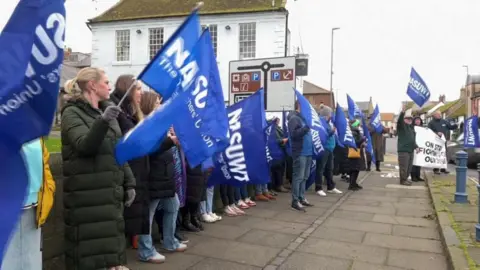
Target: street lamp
466, 66
331, 66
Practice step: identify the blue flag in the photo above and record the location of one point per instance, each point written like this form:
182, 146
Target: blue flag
202, 124
146, 137
375, 121
316, 123
286, 133
338, 141
313, 174
417, 89
353, 109
169, 67
275, 151
470, 133
369, 140
344, 133
31, 54
244, 161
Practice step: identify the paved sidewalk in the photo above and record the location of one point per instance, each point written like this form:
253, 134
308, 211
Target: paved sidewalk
457, 221
380, 227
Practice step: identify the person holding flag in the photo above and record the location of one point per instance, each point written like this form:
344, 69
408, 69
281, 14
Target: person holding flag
354, 155
96, 188
302, 152
405, 145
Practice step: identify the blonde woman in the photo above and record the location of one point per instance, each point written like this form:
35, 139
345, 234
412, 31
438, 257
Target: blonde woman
96, 188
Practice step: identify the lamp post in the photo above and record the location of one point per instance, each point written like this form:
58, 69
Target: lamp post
331, 66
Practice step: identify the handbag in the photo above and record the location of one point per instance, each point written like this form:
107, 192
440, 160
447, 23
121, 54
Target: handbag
353, 153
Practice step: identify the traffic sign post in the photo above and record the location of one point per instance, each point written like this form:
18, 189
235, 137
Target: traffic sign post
275, 75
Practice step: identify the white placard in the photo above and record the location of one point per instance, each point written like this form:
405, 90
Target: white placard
432, 152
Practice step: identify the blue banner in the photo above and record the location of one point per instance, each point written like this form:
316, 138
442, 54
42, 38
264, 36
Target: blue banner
366, 133
375, 121
353, 110
417, 89
169, 67
146, 137
316, 123
286, 133
202, 125
31, 54
470, 133
313, 175
274, 149
344, 133
244, 161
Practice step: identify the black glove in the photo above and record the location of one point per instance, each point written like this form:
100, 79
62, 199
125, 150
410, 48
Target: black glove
111, 113
130, 197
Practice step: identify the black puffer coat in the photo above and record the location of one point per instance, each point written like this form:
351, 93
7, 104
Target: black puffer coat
196, 184
137, 217
357, 164
161, 183
93, 189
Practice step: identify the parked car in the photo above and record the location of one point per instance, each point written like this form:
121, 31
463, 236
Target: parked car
456, 145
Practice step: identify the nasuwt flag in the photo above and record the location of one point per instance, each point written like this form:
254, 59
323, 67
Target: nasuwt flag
314, 122
366, 133
375, 120
202, 124
353, 109
244, 161
286, 133
344, 133
313, 174
417, 89
169, 69
31, 54
146, 137
273, 144
470, 133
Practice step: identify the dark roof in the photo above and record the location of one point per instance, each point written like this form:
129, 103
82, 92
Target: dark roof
310, 88
148, 9
473, 79
68, 73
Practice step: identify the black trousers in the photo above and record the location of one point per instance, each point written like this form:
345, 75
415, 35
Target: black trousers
276, 172
354, 177
289, 169
227, 194
189, 211
415, 174
369, 162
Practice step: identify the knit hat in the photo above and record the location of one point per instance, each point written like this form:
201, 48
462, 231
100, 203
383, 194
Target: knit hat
325, 111
356, 123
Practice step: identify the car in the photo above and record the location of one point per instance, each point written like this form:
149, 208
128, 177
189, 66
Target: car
456, 145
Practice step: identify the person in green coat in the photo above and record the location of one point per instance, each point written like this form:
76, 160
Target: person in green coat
96, 189
405, 145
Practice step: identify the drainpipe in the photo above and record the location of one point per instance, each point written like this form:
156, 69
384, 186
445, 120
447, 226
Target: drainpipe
286, 34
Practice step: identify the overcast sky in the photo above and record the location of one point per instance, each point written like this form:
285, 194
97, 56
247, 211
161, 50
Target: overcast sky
379, 41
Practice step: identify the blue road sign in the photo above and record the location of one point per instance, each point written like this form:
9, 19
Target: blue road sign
275, 75
255, 76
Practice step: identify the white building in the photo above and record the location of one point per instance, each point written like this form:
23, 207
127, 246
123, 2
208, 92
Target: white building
129, 34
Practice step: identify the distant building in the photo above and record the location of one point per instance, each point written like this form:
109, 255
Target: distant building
472, 95
387, 119
317, 95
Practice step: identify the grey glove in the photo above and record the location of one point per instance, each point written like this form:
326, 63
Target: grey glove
130, 197
111, 113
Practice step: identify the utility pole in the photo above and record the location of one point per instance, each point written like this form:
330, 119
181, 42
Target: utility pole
331, 67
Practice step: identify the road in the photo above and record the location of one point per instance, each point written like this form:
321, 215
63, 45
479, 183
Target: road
392, 149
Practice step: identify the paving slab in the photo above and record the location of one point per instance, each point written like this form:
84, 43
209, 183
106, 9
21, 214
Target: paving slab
417, 232
344, 214
399, 220
219, 230
303, 261
401, 242
357, 265
342, 235
344, 250
267, 238
363, 226
417, 260
213, 264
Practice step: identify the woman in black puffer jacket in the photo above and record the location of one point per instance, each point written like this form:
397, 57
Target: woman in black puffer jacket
161, 192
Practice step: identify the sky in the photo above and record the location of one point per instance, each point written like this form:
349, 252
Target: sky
377, 44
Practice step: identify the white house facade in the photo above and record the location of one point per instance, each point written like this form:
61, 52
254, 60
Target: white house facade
126, 46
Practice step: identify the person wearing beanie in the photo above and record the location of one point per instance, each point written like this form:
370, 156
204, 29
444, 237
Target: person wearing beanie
405, 145
325, 162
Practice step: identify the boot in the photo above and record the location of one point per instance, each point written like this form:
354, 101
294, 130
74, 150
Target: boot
196, 222
377, 165
186, 222
353, 183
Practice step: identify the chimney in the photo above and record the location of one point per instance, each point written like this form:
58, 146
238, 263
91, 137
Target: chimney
441, 98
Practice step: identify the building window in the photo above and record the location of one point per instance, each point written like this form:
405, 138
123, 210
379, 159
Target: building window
214, 34
248, 38
122, 38
155, 41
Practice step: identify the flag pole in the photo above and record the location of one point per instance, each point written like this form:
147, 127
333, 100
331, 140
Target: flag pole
196, 8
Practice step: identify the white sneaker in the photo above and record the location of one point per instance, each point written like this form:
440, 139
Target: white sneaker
321, 193
157, 258
237, 210
214, 216
335, 191
207, 218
